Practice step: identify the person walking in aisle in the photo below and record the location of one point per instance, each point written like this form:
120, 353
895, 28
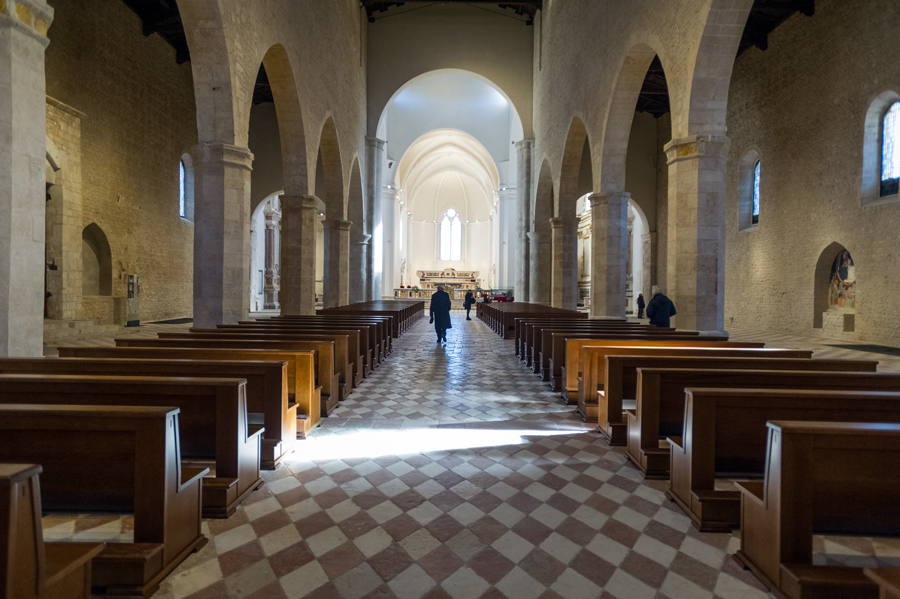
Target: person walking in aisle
440, 313
640, 304
469, 302
660, 309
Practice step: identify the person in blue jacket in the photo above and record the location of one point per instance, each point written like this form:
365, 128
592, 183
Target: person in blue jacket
440, 313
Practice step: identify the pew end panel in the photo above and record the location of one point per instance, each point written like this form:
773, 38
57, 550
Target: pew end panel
821, 478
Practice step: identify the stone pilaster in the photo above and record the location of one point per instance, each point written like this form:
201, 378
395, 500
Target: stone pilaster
384, 245
337, 263
374, 176
609, 254
359, 264
539, 264
23, 133
272, 276
564, 233
299, 218
221, 234
649, 265
696, 231
524, 185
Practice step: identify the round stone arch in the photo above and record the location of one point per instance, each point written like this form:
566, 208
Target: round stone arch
332, 184
96, 261
823, 289
539, 242
577, 140
359, 239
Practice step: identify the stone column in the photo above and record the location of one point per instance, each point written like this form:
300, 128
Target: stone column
374, 163
609, 254
23, 192
337, 263
696, 231
359, 264
540, 275
649, 265
565, 262
299, 218
221, 234
272, 280
524, 185
388, 247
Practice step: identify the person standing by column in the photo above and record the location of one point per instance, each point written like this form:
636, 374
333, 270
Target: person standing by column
469, 302
660, 309
640, 305
440, 313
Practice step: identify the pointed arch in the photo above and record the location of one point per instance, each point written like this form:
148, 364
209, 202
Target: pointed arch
576, 142
288, 110
333, 183
617, 127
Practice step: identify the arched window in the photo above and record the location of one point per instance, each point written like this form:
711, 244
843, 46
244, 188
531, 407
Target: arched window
755, 214
451, 236
181, 209
890, 150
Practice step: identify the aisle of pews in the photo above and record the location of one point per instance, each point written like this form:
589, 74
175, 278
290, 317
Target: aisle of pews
771, 441
171, 430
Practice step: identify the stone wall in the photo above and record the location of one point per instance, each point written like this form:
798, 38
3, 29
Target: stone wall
802, 104
139, 119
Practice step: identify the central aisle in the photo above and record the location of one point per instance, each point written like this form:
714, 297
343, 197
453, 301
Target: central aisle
454, 472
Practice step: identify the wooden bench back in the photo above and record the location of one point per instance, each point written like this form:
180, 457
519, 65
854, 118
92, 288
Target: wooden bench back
301, 371
575, 350
326, 373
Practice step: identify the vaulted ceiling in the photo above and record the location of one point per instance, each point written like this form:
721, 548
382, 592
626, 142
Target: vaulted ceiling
162, 17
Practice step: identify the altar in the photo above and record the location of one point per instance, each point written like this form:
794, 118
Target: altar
450, 278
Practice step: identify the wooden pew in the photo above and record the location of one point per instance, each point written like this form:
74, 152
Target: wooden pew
533, 340
725, 431
594, 373
372, 331
888, 581
576, 347
30, 568
621, 384
326, 374
821, 478
115, 459
659, 411
381, 324
524, 325
342, 363
302, 365
213, 421
267, 388
500, 316
353, 370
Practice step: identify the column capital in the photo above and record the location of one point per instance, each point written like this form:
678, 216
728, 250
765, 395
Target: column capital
560, 222
697, 146
364, 240
31, 17
601, 199
535, 236
524, 144
338, 225
375, 142
233, 156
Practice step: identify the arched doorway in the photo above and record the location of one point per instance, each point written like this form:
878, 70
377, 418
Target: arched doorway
836, 296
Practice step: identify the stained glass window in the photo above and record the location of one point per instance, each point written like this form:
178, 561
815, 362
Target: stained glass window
756, 193
451, 236
181, 206
890, 150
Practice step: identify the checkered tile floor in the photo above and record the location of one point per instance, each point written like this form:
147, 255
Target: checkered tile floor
454, 472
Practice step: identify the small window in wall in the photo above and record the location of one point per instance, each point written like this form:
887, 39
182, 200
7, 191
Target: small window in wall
451, 236
890, 150
181, 211
186, 188
748, 191
755, 215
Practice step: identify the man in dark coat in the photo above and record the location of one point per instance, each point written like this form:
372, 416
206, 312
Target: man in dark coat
640, 304
660, 309
440, 313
